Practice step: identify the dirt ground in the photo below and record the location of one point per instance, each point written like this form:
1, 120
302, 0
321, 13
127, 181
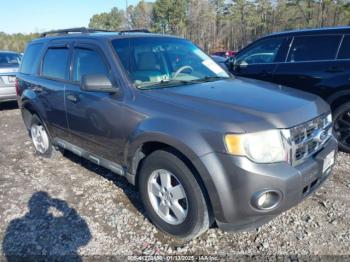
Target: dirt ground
70, 206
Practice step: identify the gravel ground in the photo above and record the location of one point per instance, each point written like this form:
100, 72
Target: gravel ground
71, 206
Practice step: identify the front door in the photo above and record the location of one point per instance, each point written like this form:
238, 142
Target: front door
258, 60
94, 118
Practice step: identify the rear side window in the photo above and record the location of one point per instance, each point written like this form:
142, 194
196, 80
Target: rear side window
55, 63
344, 52
87, 62
313, 48
31, 58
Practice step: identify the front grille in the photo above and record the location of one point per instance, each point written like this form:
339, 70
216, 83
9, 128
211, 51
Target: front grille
309, 138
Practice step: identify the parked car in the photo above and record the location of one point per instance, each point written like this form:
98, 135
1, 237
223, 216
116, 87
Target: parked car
315, 60
9, 64
198, 145
223, 62
225, 54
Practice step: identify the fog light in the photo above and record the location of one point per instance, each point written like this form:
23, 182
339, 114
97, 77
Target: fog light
266, 200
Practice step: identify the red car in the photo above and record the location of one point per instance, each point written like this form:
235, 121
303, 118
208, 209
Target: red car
226, 54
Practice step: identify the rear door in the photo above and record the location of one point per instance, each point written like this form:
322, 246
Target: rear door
340, 68
95, 119
259, 59
309, 64
54, 75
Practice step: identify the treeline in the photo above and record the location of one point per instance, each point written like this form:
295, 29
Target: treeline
225, 24
214, 24
15, 42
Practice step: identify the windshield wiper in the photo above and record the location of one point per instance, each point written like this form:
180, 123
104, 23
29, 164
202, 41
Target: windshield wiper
171, 82
164, 83
211, 78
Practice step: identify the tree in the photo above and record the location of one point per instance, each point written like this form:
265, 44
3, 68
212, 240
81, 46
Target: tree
169, 16
141, 15
113, 20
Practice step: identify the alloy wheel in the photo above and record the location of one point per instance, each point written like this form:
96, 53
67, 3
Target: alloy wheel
40, 138
167, 196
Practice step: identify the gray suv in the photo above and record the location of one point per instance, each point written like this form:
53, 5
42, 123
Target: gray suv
200, 146
9, 65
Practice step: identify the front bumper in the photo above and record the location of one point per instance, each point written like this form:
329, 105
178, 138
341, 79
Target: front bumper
7, 92
236, 180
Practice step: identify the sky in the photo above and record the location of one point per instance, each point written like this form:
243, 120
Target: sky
35, 16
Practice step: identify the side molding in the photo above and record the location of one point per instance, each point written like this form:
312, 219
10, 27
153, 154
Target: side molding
114, 167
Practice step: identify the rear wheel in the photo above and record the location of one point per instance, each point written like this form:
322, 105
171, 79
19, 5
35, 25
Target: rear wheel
41, 139
342, 126
172, 197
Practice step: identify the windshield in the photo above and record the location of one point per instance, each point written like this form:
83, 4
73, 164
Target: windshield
155, 61
9, 58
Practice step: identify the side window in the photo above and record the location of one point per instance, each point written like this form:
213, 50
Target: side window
87, 62
55, 63
312, 48
31, 58
344, 52
263, 52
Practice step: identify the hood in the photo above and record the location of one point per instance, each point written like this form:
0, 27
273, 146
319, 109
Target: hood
247, 105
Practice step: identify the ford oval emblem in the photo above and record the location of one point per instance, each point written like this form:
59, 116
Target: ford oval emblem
320, 136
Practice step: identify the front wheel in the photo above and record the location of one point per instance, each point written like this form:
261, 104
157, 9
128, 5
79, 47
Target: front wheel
172, 197
342, 126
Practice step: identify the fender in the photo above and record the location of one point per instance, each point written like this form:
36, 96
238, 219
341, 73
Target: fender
180, 136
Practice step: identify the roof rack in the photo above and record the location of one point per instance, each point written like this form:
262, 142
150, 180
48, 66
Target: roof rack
84, 30
143, 30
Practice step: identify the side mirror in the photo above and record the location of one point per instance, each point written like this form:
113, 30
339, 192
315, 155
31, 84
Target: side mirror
97, 83
238, 65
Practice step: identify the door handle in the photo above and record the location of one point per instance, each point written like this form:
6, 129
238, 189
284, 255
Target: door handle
335, 69
264, 73
72, 98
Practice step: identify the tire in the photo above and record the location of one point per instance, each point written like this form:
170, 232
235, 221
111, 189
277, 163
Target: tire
46, 150
342, 126
197, 218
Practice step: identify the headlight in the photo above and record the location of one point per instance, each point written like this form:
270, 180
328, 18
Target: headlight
260, 147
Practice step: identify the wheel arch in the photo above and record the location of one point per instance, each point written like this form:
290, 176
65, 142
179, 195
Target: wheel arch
339, 99
185, 154
29, 106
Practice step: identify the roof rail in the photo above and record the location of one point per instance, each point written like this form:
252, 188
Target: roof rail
81, 30
84, 30
143, 30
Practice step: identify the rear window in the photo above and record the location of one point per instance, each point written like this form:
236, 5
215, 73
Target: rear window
55, 63
313, 48
344, 52
31, 59
9, 59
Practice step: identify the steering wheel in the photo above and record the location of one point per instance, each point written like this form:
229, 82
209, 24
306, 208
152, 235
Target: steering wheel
183, 68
